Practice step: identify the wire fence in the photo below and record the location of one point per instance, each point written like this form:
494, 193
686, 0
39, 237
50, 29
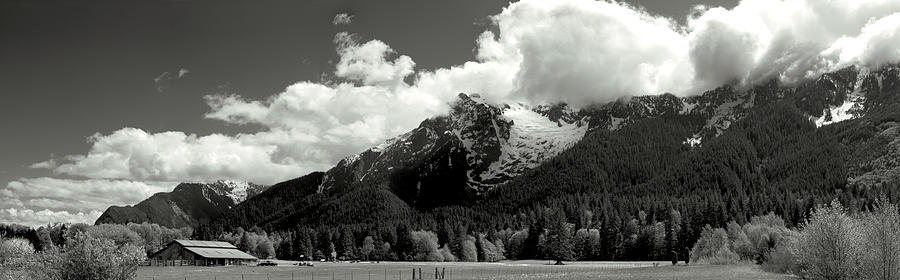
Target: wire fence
418, 273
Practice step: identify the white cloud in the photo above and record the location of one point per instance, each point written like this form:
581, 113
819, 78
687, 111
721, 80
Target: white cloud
577, 51
876, 45
342, 19
164, 81
48, 164
134, 154
789, 39
35, 201
582, 51
45, 217
368, 62
75, 195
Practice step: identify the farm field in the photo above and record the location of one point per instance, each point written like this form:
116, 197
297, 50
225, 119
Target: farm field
464, 271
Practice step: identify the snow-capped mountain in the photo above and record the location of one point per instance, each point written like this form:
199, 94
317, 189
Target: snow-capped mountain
457, 159
238, 191
832, 97
501, 141
497, 142
189, 204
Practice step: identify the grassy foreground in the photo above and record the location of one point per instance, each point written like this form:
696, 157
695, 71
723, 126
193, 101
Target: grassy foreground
464, 271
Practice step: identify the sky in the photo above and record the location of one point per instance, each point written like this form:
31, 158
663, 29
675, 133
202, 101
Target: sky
107, 102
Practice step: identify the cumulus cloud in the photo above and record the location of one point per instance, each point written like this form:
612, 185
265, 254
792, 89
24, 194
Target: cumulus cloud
587, 51
342, 19
50, 200
134, 154
28, 217
48, 164
790, 39
368, 63
575, 51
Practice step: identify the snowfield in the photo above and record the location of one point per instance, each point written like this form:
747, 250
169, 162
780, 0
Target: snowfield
533, 138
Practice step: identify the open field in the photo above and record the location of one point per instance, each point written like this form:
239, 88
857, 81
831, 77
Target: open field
467, 271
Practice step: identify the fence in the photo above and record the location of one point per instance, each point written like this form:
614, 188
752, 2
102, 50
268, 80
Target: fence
369, 273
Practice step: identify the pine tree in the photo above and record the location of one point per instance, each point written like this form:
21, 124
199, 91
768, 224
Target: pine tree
348, 247
559, 239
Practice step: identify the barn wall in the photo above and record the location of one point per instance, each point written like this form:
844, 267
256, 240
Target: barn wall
174, 252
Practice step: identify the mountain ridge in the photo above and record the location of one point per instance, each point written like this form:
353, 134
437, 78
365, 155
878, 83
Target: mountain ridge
188, 204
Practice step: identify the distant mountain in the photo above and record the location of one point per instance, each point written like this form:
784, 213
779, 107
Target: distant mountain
189, 204
484, 161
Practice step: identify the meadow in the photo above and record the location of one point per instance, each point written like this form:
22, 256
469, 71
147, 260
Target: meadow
461, 270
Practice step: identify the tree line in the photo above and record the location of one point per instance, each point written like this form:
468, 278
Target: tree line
638, 193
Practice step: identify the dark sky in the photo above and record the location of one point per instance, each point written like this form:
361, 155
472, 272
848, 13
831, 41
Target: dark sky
69, 69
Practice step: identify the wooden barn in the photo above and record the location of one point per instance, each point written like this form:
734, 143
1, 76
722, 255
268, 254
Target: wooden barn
195, 252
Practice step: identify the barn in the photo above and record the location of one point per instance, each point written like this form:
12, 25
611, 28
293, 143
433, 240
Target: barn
195, 252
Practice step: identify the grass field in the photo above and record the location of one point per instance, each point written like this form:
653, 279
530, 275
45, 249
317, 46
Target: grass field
463, 271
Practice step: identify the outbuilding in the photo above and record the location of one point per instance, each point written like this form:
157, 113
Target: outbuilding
196, 252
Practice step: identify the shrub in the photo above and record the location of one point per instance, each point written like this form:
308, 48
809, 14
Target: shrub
14, 250
515, 244
425, 246
14, 254
763, 232
87, 257
828, 244
740, 243
469, 250
783, 258
447, 255
880, 230
713, 247
488, 251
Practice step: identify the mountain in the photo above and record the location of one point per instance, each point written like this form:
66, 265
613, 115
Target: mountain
733, 151
189, 204
497, 143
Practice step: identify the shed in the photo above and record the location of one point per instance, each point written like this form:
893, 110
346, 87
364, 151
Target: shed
202, 253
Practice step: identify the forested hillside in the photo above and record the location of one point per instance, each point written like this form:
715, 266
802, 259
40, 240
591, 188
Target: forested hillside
648, 175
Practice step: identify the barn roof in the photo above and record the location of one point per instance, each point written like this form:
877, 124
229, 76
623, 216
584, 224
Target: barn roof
220, 253
205, 244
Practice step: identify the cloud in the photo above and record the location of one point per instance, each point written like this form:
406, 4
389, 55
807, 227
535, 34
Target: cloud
49, 200
583, 51
134, 154
33, 218
368, 62
342, 19
48, 164
790, 39
164, 81
876, 45
575, 51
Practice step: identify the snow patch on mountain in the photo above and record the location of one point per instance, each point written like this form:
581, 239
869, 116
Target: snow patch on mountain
236, 190
835, 114
533, 138
694, 141
724, 116
853, 104
616, 123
